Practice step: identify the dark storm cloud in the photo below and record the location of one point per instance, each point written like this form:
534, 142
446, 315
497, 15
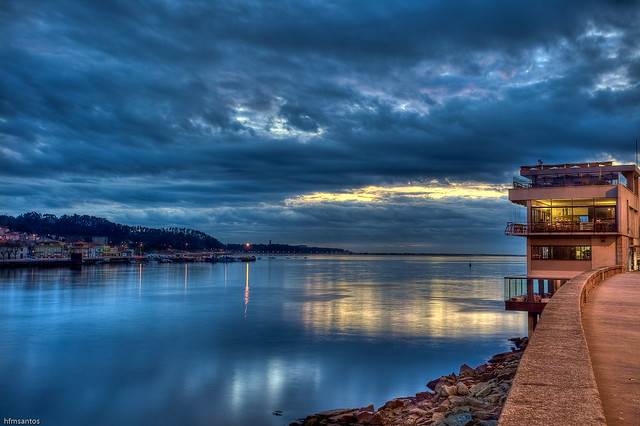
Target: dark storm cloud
212, 114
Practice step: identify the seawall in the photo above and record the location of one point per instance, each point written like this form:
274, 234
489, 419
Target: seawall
555, 383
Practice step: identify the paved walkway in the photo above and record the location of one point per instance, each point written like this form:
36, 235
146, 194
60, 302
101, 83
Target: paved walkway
611, 320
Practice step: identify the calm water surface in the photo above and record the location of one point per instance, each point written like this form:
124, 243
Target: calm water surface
229, 344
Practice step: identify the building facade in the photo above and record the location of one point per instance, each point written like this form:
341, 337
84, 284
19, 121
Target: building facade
13, 251
49, 250
579, 217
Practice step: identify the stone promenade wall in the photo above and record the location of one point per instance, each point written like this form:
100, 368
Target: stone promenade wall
554, 383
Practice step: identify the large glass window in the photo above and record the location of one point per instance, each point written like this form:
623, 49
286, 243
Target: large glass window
540, 215
605, 213
561, 252
588, 214
561, 214
583, 214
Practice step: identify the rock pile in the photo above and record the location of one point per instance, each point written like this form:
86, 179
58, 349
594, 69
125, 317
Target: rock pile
474, 396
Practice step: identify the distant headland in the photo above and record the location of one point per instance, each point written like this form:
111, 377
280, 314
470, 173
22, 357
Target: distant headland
33, 227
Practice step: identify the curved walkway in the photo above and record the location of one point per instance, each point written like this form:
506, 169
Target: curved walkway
555, 384
611, 322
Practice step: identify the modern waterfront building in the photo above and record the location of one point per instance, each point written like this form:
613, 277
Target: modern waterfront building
578, 217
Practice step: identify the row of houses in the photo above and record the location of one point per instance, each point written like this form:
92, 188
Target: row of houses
21, 246
7, 235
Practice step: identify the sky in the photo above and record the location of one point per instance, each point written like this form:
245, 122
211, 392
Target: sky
367, 125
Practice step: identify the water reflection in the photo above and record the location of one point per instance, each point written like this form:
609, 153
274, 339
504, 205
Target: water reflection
323, 333
442, 308
186, 276
140, 278
246, 289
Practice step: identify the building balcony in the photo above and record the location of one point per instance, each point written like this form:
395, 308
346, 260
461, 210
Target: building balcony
516, 229
529, 294
524, 229
561, 180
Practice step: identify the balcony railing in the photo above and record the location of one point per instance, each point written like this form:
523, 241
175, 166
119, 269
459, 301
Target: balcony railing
569, 180
559, 227
516, 229
529, 294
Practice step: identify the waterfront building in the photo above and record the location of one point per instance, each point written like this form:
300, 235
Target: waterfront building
579, 217
13, 250
126, 251
49, 249
110, 251
87, 250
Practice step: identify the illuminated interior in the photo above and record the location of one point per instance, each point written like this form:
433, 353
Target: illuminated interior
587, 214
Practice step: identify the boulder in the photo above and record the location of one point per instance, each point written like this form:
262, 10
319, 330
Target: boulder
456, 400
423, 395
482, 389
364, 417
432, 384
333, 413
473, 402
442, 407
344, 418
449, 390
418, 412
465, 370
461, 389
437, 417
481, 368
393, 404
460, 419
493, 398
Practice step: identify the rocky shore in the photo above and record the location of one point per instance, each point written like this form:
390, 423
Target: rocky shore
474, 396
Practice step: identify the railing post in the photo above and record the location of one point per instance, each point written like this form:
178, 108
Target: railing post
529, 289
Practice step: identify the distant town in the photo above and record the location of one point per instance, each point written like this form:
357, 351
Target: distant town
34, 239
26, 246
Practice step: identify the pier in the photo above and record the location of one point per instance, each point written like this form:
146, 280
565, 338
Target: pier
582, 365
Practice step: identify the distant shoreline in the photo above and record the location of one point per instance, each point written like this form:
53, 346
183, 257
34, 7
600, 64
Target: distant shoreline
437, 254
66, 262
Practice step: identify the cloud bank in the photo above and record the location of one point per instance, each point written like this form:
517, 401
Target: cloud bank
362, 124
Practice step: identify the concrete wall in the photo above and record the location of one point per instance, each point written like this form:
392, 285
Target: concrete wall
627, 212
557, 268
603, 251
555, 384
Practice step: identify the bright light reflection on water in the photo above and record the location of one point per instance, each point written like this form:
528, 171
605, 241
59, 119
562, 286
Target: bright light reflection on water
230, 344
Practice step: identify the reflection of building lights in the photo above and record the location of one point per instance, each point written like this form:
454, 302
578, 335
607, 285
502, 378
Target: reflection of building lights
364, 309
246, 290
186, 275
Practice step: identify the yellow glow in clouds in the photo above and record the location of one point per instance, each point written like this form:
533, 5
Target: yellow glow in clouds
378, 194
